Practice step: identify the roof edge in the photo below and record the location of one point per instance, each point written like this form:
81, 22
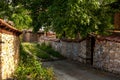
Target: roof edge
6, 26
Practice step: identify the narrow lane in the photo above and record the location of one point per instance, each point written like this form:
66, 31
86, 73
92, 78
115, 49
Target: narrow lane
67, 70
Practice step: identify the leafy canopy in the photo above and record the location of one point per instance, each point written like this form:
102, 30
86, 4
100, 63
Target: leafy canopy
68, 18
15, 11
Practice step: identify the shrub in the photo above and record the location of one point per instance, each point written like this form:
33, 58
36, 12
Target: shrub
30, 69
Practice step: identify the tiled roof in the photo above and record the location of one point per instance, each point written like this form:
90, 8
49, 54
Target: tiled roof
6, 26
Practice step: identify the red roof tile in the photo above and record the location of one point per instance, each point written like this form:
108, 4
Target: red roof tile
6, 26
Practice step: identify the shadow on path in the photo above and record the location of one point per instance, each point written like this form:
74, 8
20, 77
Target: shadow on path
68, 70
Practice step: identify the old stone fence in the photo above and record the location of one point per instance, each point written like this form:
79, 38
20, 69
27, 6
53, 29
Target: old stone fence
107, 54
102, 53
9, 50
76, 50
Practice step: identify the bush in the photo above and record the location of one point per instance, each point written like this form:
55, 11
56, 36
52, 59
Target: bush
30, 69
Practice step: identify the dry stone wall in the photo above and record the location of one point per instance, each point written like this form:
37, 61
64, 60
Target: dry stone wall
9, 50
107, 56
9, 55
72, 50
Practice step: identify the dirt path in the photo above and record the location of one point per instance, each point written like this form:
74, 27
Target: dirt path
67, 70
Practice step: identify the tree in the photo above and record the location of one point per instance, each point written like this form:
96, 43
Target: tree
68, 18
15, 11
73, 17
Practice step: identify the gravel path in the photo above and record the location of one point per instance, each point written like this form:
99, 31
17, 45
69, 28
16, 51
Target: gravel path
68, 70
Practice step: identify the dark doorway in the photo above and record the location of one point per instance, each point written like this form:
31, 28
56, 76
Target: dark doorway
92, 48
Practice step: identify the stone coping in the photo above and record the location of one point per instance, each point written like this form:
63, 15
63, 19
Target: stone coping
73, 40
66, 40
112, 38
8, 29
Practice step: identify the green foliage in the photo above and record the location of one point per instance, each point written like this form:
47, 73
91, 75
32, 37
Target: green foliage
30, 69
42, 51
73, 17
35, 50
68, 18
22, 19
81, 16
16, 13
4, 9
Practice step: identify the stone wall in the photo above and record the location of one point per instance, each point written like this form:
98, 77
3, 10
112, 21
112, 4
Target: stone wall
9, 55
9, 50
73, 50
30, 36
107, 55
104, 55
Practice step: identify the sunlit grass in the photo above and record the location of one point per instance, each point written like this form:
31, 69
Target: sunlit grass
49, 50
29, 67
35, 50
42, 51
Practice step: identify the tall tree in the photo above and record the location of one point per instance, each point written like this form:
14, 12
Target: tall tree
65, 17
77, 16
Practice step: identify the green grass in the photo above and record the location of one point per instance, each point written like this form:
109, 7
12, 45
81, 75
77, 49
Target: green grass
35, 50
49, 50
30, 68
42, 51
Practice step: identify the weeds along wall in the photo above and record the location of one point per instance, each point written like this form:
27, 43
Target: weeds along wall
75, 50
9, 50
